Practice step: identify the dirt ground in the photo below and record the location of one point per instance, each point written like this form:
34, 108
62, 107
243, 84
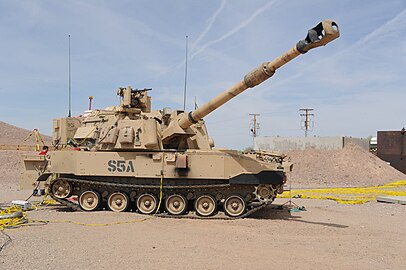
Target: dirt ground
326, 236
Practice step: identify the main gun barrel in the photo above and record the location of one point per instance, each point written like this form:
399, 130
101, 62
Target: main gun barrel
320, 35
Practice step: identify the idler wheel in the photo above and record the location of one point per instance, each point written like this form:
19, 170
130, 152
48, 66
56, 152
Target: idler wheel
205, 205
61, 189
234, 206
146, 203
176, 204
89, 200
118, 202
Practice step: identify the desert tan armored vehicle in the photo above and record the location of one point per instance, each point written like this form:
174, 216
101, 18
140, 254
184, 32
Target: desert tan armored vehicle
130, 157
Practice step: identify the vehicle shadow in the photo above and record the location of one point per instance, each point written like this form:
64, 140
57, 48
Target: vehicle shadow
62, 208
271, 212
281, 212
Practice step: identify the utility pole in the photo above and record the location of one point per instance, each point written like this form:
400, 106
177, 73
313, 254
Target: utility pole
254, 126
69, 113
307, 116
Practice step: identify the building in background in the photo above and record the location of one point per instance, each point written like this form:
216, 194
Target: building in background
283, 144
391, 147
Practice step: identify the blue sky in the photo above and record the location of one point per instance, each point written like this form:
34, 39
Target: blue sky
356, 84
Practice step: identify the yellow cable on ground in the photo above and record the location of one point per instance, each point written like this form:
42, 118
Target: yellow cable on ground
21, 219
90, 224
15, 216
349, 195
12, 216
49, 201
46, 202
341, 195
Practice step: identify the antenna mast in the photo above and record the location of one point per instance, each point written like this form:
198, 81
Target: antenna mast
69, 114
184, 92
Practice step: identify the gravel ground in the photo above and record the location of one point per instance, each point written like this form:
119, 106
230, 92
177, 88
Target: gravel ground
11, 167
326, 236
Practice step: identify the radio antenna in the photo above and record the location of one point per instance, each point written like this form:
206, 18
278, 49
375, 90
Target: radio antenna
69, 114
184, 92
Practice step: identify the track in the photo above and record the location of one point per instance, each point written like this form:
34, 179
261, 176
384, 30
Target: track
252, 207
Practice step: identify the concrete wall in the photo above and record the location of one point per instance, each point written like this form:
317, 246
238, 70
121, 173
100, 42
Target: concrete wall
362, 142
282, 144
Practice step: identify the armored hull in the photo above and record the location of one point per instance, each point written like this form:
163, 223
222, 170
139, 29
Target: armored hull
120, 181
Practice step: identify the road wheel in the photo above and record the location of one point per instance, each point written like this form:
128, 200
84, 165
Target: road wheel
118, 202
205, 205
234, 206
176, 204
146, 203
89, 200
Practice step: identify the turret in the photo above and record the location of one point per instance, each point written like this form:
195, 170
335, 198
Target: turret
320, 35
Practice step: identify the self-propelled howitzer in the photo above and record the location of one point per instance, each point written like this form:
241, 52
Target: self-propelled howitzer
130, 157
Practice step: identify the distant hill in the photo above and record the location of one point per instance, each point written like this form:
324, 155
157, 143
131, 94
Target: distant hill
12, 135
